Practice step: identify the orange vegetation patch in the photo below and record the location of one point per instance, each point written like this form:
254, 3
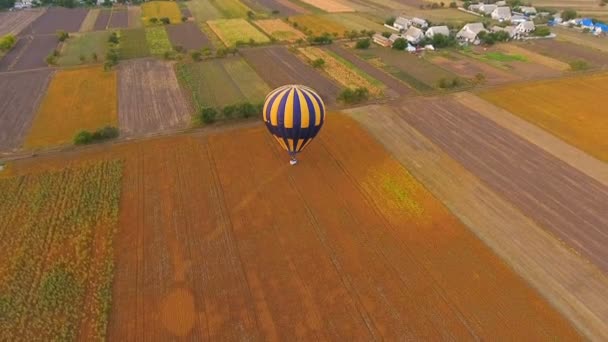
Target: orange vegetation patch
330, 5
279, 30
80, 99
567, 108
345, 245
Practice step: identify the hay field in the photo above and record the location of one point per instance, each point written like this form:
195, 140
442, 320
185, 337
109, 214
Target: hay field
330, 6
579, 38
161, 9
356, 21
232, 31
203, 10
231, 8
279, 30
84, 45
567, 108
316, 24
158, 40
77, 99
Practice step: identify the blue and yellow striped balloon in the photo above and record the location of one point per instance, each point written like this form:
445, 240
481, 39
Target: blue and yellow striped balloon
294, 114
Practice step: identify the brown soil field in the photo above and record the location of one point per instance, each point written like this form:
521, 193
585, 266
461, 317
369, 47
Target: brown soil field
103, 18
149, 98
397, 87
469, 68
568, 281
526, 70
119, 19
134, 17
568, 52
14, 22
535, 57
563, 200
20, 94
57, 18
277, 66
29, 53
362, 252
285, 7
188, 36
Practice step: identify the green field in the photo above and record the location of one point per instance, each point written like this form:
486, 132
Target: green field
85, 45
503, 57
231, 8
133, 44
203, 10
232, 31
158, 40
221, 82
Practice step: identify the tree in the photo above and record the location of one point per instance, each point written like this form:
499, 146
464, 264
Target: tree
6, 4
165, 21
578, 65
318, 63
390, 21
229, 111
184, 19
541, 31
94, 56
62, 35
351, 96
363, 44
153, 20
569, 14
400, 44
250, 14
208, 114
113, 38
82, 58
83, 138
386, 34
453, 4
196, 56
246, 109
7, 42
442, 4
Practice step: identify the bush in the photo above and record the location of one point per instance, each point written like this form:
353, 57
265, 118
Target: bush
449, 84
62, 35
351, 96
82, 58
390, 21
7, 42
83, 138
541, 31
113, 38
363, 43
165, 21
105, 133
386, 34
51, 59
453, 4
196, 56
323, 39
208, 115
153, 20
400, 44
94, 56
184, 19
228, 111
578, 65
246, 109
318, 63
569, 14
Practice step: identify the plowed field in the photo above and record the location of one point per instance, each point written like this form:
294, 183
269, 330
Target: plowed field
14, 22
149, 97
188, 36
57, 18
347, 245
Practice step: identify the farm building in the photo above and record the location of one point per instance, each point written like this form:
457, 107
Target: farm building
500, 3
509, 29
381, 40
468, 34
421, 23
413, 35
433, 30
601, 28
501, 13
402, 23
524, 28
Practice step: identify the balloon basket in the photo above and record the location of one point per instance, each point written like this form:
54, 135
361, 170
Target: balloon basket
293, 162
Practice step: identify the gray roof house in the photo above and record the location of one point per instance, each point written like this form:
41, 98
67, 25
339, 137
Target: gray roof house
527, 10
509, 29
525, 27
469, 32
433, 30
413, 35
516, 18
501, 13
402, 23
487, 8
420, 22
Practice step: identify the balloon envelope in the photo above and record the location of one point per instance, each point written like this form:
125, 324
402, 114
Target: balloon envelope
294, 115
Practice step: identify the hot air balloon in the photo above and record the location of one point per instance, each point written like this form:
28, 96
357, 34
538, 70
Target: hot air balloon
294, 115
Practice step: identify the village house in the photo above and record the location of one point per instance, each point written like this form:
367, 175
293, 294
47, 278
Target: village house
402, 23
523, 29
487, 8
527, 10
517, 18
500, 3
509, 29
501, 14
468, 34
433, 30
394, 37
381, 40
413, 35
420, 23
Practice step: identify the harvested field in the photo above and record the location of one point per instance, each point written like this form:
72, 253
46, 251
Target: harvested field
232, 31
285, 7
563, 200
29, 53
535, 57
103, 18
231, 8
14, 22
20, 95
396, 88
419, 73
203, 10
133, 44
88, 24
158, 40
119, 19
343, 72
356, 21
469, 68
440, 15
57, 264
222, 82
567, 108
85, 44
389, 5
576, 4
315, 24
368, 239
279, 30
188, 36
568, 52
161, 9
149, 98
90, 106
330, 6
58, 18
567, 280
134, 16
579, 38
278, 67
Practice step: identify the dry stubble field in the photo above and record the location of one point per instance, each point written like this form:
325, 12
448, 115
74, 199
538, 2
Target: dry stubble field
351, 241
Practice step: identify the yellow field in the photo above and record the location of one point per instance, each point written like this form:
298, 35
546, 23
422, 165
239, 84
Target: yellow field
279, 30
318, 25
232, 31
568, 108
79, 99
330, 6
161, 9
343, 74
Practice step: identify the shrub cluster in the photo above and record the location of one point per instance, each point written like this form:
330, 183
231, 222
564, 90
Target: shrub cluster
209, 115
105, 133
7, 42
445, 83
351, 96
363, 44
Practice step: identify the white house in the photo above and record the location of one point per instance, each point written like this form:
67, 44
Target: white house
516, 19
500, 3
469, 32
381, 40
433, 30
522, 29
413, 35
509, 29
487, 8
527, 10
421, 23
474, 7
402, 23
501, 13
